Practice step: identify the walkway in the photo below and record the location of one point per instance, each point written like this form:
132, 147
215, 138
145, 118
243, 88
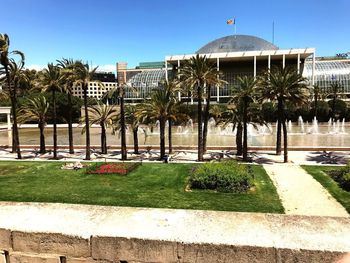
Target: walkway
301, 194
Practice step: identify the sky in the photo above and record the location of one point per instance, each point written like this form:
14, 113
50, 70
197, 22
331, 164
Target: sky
104, 32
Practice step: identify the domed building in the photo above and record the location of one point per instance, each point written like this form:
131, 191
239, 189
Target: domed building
235, 56
240, 55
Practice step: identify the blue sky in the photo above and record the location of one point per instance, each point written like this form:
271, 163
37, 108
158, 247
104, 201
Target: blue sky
106, 31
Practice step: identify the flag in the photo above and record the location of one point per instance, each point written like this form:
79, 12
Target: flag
231, 21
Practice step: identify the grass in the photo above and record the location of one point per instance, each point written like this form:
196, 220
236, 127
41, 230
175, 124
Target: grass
319, 173
150, 185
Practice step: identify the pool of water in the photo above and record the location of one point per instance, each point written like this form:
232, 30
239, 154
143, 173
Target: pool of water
187, 137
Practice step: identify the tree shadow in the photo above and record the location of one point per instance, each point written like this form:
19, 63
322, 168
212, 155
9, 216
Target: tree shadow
325, 157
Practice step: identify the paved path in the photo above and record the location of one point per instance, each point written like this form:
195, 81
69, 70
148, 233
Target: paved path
301, 194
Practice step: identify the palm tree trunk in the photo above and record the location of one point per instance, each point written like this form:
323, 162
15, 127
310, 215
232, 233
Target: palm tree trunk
87, 127
170, 137
285, 142
136, 140
245, 132
122, 127
15, 137
200, 133
54, 124
206, 118
239, 135
279, 127
162, 137
103, 139
70, 127
42, 137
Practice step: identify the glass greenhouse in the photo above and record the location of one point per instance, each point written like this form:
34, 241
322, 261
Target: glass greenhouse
328, 72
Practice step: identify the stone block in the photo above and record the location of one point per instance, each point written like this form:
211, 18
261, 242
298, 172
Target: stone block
86, 260
26, 258
51, 243
133, 250
202, 253
2, 257
306, 256
5, 239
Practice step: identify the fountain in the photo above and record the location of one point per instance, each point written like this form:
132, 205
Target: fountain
343, 126
301, 124
289, 126
314, 129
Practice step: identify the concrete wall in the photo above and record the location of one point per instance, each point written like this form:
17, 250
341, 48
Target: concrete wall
26, 247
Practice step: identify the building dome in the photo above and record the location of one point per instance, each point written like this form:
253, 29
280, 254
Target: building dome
236, 43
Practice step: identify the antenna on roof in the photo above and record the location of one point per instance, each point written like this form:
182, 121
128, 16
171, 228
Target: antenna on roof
273, 32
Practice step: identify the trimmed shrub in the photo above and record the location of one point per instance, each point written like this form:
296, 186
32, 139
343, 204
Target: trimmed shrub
342, 177
227, 176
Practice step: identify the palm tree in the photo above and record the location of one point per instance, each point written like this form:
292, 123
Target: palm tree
103, 115
84, 75
51, 79
243, 95
159, 108
68, 69
196, 74
283, 85
6, 63
36, 110
133, 120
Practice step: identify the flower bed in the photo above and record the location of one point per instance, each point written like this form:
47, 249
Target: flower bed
111, 168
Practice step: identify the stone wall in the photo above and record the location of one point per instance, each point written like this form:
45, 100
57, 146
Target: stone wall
26, 247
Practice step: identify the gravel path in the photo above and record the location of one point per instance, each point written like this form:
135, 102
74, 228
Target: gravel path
301, 194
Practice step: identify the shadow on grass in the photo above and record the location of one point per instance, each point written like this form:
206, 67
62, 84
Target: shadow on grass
325, 157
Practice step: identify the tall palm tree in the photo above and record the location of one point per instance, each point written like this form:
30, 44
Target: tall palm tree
84, 75
196, 74
103, 115
51, 79
36, 110
68, 69
6, 63
159, 108
283, 85
119, 90
243, 95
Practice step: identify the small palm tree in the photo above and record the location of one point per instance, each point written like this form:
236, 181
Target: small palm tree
283, 85
36, 110
243, 95
51, 79
83, 75
159, 108
196, 74
7, 63
133, 120
102, 115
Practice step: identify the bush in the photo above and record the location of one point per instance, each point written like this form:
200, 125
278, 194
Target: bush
342, 177
228, 176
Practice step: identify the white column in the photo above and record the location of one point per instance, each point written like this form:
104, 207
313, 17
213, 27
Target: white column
313, 68
269, 62
254, 66
218, 88
298, 64
178, 70
8, 121
166, 70
284, 61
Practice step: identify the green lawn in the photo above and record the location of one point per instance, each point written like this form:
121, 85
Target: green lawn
319, 173
150, 185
